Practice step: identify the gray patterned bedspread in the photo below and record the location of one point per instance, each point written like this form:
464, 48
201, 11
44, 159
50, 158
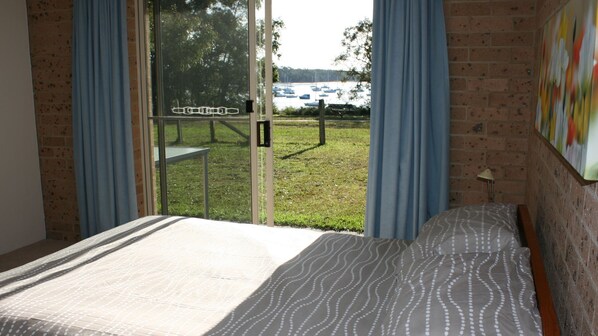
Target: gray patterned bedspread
181, 276
340, 285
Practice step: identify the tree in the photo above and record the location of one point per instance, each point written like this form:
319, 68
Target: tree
357, 55
277, 26
204, 52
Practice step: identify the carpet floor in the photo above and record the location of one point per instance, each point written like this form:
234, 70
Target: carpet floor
29, 253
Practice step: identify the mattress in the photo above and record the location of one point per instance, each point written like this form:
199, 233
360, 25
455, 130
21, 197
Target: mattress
180, 276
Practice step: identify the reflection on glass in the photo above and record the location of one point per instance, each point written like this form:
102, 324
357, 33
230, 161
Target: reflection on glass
199, 57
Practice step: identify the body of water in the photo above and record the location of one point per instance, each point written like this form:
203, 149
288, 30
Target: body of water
299, 94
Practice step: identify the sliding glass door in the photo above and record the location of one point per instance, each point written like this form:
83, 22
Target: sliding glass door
203, 111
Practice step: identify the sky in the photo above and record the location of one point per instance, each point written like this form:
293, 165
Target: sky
314, 29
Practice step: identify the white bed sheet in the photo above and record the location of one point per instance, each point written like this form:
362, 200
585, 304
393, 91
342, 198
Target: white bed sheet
154, 275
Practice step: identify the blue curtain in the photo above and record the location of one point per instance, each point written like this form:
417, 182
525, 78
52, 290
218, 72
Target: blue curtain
102, 133
409, 148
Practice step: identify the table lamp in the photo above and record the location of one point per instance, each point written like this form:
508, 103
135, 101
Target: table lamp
487, 176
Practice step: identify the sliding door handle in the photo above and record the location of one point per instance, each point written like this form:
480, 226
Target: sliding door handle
249, 106
263, 126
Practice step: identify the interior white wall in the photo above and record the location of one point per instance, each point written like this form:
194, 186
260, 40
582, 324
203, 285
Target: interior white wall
21, 205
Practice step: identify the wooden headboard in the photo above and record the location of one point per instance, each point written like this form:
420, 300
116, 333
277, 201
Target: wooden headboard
550, 323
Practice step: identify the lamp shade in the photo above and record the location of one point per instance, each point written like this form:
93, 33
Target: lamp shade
486, 175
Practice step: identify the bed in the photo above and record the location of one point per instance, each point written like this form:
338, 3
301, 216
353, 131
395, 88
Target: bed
162, 275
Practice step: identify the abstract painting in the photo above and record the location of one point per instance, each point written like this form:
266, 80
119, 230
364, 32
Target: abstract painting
567, 107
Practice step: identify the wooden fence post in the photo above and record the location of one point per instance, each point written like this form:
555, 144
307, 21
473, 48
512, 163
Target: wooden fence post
322, 123
179, 132
212, 132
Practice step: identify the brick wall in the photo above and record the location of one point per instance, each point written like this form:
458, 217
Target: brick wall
491, 58
566, 216
135, 108
50, 26
50, 37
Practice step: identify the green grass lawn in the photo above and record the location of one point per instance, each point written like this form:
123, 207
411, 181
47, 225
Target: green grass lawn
229, 173
320, 186
315, 186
